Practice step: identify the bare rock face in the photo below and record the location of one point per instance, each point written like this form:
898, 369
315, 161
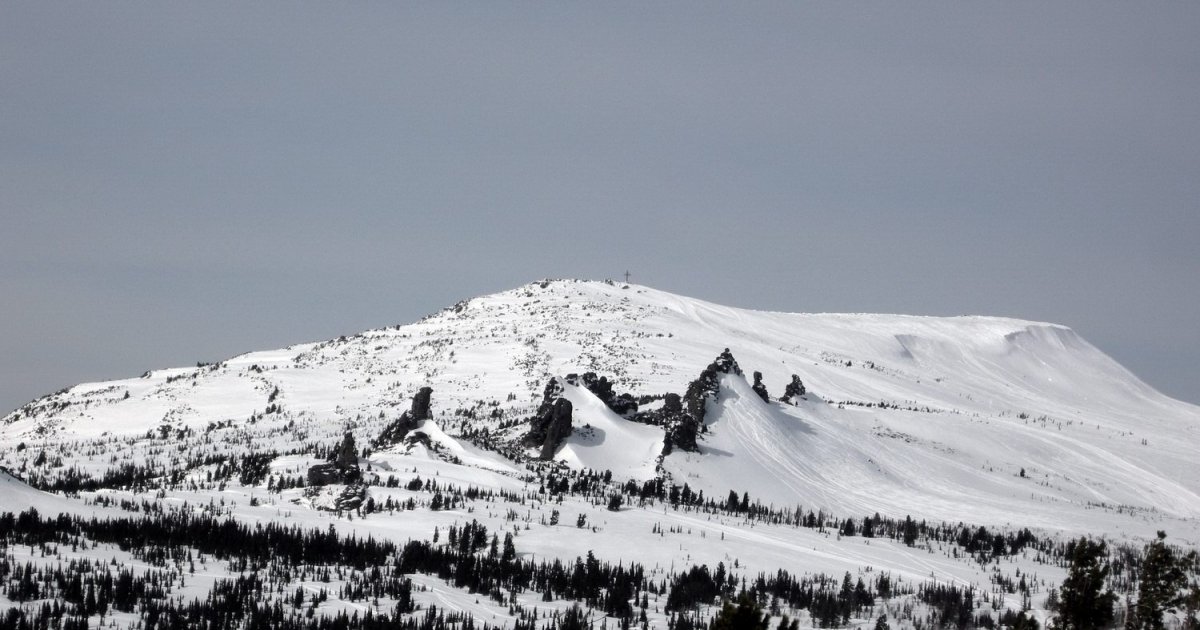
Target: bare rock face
672, 404
347, 453
552, 423
420, 404
343, 469
793, 390
558, 428
699, 392
686, 422
759, 388
410, 420
552, 391
323, 475
705, 388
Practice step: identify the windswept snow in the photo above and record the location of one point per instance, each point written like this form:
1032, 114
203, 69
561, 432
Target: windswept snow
605, 441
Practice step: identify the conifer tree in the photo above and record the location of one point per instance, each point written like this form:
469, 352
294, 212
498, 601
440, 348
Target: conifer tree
747, 615
1085, 603
1160, 581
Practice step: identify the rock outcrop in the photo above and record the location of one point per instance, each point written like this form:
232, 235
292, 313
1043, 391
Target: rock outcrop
342, 469
552, 423
705, 388
398, 430
793, 390
680, 428
602, 388
351, 498
323, 475
420, 404
725, 363
684, 418
759, 388
557, 427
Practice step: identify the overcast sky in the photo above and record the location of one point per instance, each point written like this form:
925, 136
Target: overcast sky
185, 183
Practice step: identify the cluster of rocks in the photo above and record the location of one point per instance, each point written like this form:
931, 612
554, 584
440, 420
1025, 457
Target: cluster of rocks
681, 429
682, 417
552, 423
399, 429
343, 469
706, 386
602, 388
686, 416
794, 390
759, 388
351, 498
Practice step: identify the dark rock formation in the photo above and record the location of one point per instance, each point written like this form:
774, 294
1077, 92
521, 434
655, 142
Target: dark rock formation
343, 469
552, 391
418, 412
598, 385
726, 364
623, 405
705, 388
666, 415
672, 404
558, 427
793, 390
601, 387
324, 474
420, 404
682, 428
347, 453
552, 424
759, 388
418, 437
351, 498
685, 418
699, 392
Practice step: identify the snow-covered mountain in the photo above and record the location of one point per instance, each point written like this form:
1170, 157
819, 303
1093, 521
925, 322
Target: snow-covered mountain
904, 415
982, 420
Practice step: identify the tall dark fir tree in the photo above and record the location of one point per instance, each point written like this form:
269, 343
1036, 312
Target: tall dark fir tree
1159, 583
1085, 602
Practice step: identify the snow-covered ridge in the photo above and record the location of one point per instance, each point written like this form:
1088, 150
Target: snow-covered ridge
933, 416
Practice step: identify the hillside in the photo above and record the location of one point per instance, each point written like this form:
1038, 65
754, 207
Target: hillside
980, 420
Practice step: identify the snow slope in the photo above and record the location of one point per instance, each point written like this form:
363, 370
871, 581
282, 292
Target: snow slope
16, 496
605, 441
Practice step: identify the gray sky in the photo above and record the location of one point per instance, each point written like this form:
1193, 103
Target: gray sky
184, 183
